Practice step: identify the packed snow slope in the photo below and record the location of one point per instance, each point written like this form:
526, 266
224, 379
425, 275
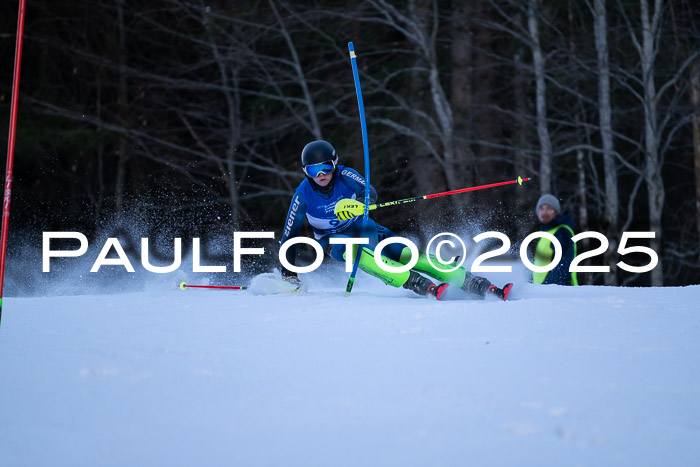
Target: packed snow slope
595, 376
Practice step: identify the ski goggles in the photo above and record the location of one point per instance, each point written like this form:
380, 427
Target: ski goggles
323, 168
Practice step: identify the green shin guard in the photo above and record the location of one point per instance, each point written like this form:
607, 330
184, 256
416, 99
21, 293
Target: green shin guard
368, 265
456, 277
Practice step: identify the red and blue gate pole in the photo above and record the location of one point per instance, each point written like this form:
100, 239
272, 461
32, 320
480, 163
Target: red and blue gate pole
11, 148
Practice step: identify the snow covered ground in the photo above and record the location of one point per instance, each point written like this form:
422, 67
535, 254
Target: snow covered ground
162, 377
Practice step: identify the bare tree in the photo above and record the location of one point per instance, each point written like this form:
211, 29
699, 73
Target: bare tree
606, 135
540, 98
298, 70
122, 105
461, 90
695, 101
647, 48
194, 121
421, 32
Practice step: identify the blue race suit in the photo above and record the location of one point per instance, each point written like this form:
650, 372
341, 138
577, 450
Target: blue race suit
317, 205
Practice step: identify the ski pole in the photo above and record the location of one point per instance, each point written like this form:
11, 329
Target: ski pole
184, 285
348, 208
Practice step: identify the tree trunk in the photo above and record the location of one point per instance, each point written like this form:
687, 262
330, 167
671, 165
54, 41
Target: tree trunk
538, 63
441, 105
122, 105
521, 165
583, 206
100, 154
315, 126
234, 139
487, 124
605, 120
228, 75
461, 92
444, 114
428, 172
695, 101
652, 169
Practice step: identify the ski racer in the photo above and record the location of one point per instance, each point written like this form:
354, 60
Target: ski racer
325, 184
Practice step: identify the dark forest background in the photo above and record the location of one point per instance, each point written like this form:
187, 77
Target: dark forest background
193, 114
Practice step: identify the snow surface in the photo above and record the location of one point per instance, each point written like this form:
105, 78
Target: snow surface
163, 377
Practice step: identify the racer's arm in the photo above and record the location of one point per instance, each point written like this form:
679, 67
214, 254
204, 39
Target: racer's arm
356, 183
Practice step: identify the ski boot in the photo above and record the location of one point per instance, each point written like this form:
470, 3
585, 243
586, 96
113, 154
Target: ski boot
480, 286
476, 286
292, 279
501, 293
423, 286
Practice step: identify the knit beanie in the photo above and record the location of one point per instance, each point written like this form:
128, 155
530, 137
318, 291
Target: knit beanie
548, 199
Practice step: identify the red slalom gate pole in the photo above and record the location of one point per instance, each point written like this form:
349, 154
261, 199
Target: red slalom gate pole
11, 148
184, 286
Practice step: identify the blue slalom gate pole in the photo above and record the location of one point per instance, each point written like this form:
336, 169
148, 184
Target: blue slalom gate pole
365, 144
